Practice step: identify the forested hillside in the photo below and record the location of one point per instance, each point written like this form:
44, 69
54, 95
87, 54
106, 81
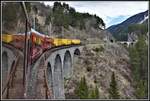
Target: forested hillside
139, 62
59, 20
121, 30
59, 15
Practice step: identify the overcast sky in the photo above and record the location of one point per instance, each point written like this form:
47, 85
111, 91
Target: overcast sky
112, 12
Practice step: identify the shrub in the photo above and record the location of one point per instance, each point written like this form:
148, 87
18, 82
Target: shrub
99, 49
89, 68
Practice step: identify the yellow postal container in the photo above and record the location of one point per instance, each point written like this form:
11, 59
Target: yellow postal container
75, 41
7, 38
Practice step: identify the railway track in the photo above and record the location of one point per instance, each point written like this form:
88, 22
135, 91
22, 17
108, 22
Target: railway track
50, 50
60, 47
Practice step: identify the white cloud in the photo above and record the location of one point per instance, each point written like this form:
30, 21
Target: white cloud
106, 9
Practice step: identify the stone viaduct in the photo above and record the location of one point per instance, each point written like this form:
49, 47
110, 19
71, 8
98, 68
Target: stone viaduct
57, 63
126, 43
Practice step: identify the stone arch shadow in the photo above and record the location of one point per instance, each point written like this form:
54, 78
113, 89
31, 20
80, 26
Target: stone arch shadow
58, 80
49, 77
77, 51
4, 67
8, 59
67, 64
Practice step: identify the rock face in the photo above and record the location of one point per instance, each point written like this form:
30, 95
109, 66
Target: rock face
96, 63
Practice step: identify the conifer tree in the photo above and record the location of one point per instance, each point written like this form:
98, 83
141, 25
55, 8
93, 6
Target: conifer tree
135, 62
94, 94
142, 49
141, 90
82, 89
113, 90
139, 62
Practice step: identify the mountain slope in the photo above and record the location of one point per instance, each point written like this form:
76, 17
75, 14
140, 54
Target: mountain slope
119, 31
59, 20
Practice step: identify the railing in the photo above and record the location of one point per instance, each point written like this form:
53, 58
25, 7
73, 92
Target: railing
10, 77
47, 91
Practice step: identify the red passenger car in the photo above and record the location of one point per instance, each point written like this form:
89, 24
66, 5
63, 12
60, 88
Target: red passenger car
36, 45
39, 43
18, 41
47, 43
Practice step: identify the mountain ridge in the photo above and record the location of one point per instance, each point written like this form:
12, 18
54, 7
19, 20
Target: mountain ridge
139, 18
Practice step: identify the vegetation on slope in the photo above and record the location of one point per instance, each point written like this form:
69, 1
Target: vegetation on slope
122, 34
121, 30
59, 16
139, 62
113, 90
10, 16
139, 29
64, 16
83, 92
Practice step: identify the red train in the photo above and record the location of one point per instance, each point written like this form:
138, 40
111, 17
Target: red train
37, 42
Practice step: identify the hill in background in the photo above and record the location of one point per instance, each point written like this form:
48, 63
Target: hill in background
138, 21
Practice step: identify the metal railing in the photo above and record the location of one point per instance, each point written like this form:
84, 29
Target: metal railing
10, 77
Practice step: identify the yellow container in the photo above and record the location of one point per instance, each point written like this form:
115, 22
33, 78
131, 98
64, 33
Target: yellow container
57, 42
7, 38
75, 41
61, 42
66, 41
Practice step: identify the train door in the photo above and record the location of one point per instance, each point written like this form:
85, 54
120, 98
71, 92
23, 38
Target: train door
32, 46
36, 49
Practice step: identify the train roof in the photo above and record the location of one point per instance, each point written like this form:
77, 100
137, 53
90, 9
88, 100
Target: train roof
36, 32
32, 30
